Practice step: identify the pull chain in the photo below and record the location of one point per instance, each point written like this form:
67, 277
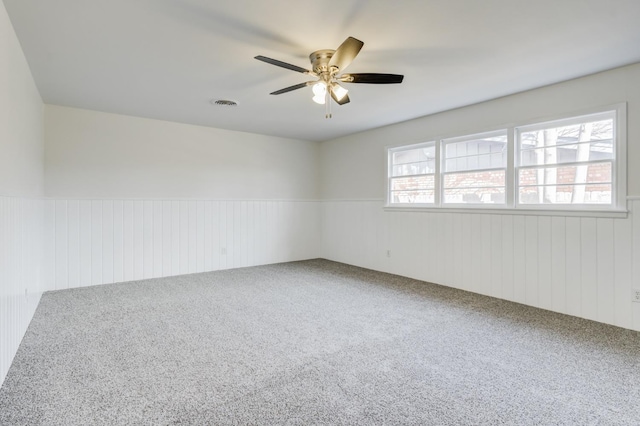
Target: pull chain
327, 104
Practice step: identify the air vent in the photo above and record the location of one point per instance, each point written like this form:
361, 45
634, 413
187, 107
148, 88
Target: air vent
224, 102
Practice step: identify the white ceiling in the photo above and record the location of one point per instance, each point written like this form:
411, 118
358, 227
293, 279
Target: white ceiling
166, 59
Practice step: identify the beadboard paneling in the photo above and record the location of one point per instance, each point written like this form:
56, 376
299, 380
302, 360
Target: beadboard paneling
104, 241
581, 266
21, 238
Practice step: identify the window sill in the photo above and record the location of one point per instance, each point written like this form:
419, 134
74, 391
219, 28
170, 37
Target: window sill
617, 214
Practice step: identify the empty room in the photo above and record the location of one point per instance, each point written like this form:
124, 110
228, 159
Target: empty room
342, 212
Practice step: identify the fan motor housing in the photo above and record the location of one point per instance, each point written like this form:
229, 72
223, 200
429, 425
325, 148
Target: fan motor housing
320, 62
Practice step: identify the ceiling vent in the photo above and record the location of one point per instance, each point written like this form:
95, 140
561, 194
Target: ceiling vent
224, 102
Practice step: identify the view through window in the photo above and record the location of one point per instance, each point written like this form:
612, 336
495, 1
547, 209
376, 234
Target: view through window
567, 164
570, 163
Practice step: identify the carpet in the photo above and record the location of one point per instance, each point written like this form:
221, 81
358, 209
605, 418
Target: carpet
313, 342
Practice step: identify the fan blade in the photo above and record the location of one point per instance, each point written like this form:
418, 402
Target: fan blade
371, 78
345, 53
338, 93
345, 99
290, 88
283, 65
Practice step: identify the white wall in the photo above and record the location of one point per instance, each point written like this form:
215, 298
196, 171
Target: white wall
21, 171
580, 266
92, 154
91, 242
21, 127
133, 198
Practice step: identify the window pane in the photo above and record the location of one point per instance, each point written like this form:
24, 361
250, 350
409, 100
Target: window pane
412, 155
414, 161
574, 153
412, 179
487, 187
548, 150
490, 178
413, 182
499, 159
494, 195
566, 194
417, 168
476, 153
411, 197
484, 162
597, 137
566, 175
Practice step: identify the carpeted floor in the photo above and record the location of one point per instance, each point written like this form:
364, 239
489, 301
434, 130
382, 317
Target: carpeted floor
313, 342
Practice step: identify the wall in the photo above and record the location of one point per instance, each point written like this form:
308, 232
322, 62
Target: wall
92, 154
21, 110
93, 242
133, 198
582, 266
21, 171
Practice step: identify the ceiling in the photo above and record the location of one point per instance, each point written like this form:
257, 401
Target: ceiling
167, 59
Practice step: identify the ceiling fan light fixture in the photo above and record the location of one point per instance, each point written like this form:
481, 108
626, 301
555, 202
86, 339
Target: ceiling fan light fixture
319, 99
327, 66
319, 91
339, 91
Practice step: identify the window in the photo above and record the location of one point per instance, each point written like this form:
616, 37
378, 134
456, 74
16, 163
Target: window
575, 163
567, 162
474, 169
412, 174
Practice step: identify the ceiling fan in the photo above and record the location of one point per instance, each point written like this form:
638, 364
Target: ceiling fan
326, 66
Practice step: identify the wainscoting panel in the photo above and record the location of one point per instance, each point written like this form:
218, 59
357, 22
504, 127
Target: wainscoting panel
581, 266
104, 241
21, 231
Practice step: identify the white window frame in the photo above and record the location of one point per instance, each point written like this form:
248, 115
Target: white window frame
617, 208
469, 137
390, 152
618, 163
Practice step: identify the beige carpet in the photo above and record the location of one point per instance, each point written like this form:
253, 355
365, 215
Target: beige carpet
313, 342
